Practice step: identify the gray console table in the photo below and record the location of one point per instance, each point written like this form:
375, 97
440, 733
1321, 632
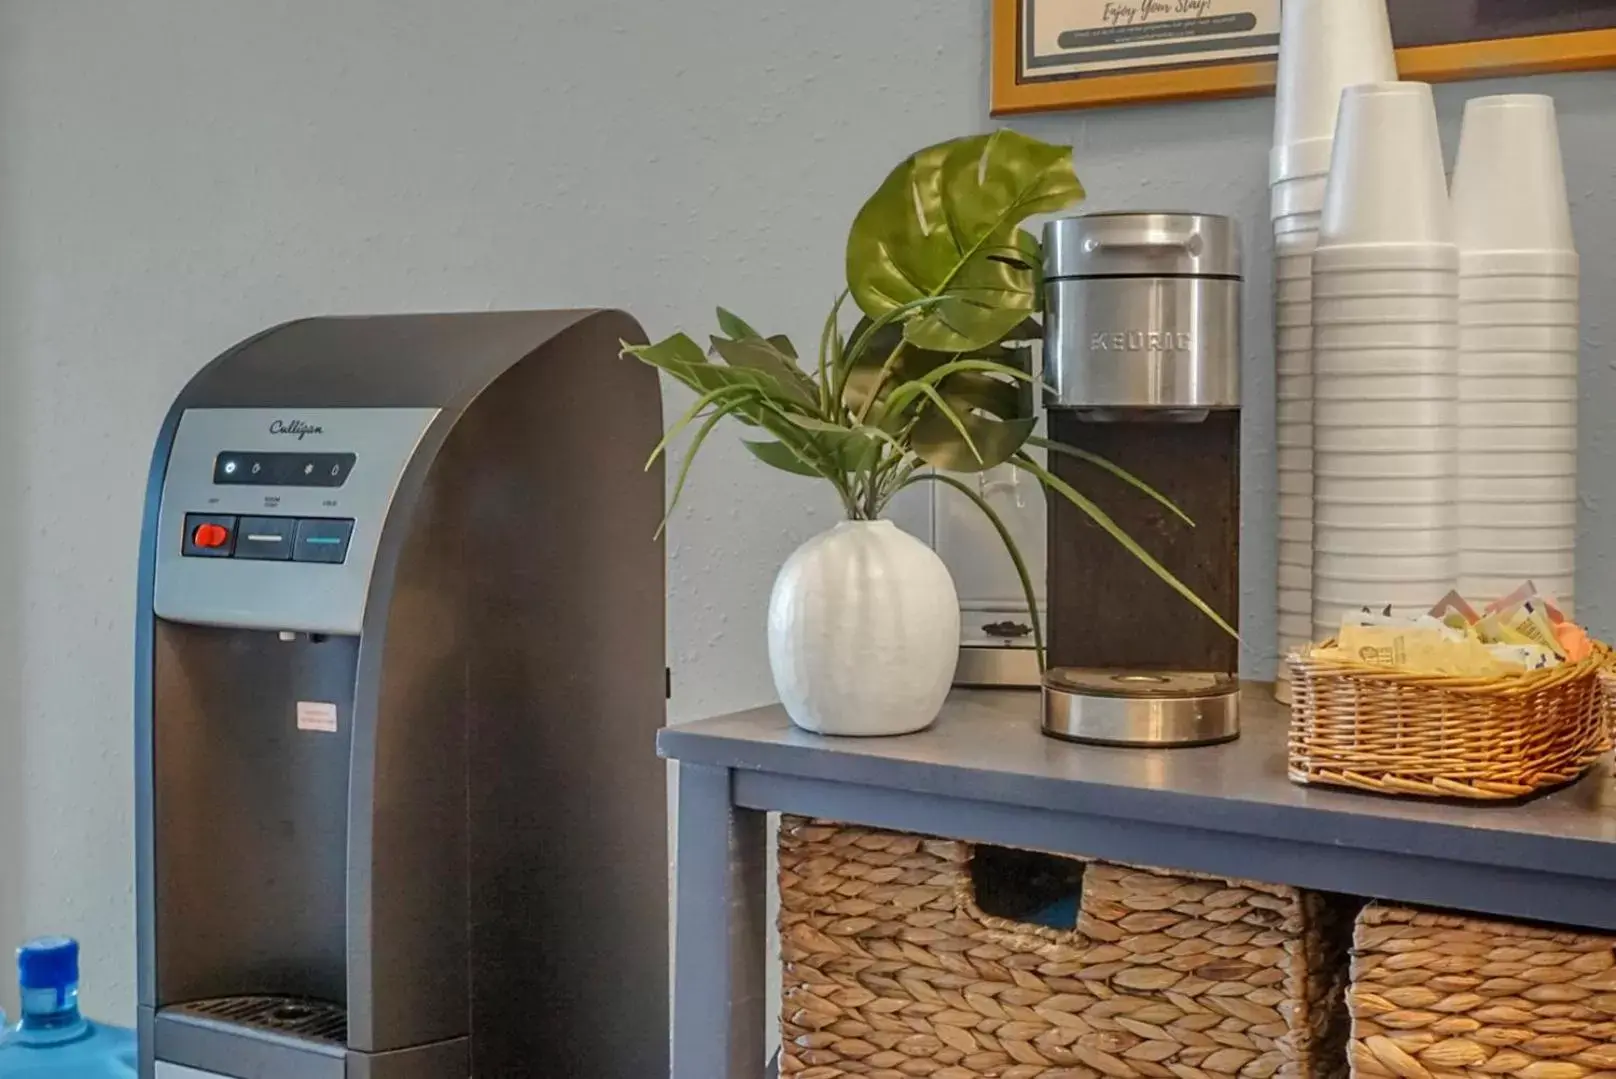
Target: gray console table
984, 772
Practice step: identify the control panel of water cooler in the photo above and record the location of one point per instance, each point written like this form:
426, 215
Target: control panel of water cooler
270, 518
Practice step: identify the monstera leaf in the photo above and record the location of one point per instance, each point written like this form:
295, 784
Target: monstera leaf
946, 224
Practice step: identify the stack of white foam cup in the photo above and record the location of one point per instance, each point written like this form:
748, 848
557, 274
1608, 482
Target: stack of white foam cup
1325, 46
1519, 315
1385, 362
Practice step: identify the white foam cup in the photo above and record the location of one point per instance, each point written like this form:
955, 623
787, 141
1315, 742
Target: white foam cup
1432, 440
1290, 413
1376, 593
1358, 362
1538, 488
1296, 483
1295, 436
1506, 515
1506, 442
1485, 414
1386, 567
1300, 197
1515, 263
1384, 491
1513, 464
1296, 626
1383, 466
1387, 179
1368, 542
1552, 288
1382, 387
1295, 578
1392, 257
1294, 388
1295, 507
1372, 333
1347, 310
1433, 413
1344, 282
1490, 313
1325, 46
1520, 564
1295, 460
1517, 388
1509, 188
1519, 338
1294, 338
1551, 539
1293, 290
1505, 364
1294, 267
1482, 588
1297, 530
1294, 553
1297, 363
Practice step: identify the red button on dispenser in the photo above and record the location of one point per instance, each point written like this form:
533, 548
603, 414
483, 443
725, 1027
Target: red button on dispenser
211, 536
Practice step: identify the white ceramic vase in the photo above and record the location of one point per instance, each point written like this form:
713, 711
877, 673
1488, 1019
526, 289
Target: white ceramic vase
864, 631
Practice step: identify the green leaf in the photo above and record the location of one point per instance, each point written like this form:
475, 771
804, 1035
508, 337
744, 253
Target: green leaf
1009, 545
937, 442
782, 344
1116, 470
954, 419
682, 358
945, 224
779, 455
734, 326
684, 468
723, 393
764, 357
1112, 529
830, 352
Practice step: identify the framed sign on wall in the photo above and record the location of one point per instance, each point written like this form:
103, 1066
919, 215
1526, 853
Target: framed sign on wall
1063, 54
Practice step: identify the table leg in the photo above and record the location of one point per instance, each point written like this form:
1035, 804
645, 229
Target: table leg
719, 938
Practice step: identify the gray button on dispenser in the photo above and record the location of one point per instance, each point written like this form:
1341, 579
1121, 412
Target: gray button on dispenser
267, 538
322, 539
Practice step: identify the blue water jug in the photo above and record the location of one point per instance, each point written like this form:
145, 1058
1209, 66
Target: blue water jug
52, 1040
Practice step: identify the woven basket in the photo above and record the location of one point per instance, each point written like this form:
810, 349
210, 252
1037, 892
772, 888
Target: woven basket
892, 971
1437, 736
1443, 996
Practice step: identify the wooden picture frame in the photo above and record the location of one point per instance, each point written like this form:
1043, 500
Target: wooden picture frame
1012, 93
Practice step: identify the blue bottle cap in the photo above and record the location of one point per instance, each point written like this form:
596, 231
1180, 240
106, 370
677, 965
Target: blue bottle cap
48, 963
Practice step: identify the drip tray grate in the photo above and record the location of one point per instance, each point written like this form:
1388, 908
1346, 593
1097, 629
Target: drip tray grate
296, 1017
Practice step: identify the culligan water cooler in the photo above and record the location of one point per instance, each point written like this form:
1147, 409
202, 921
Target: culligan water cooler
400, 661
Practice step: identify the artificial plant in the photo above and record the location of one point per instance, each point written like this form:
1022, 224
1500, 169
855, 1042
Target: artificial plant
935, 379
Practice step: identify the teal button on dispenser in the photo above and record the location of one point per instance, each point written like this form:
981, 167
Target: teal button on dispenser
322, 539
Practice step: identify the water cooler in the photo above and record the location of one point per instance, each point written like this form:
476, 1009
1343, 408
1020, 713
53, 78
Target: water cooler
400, 662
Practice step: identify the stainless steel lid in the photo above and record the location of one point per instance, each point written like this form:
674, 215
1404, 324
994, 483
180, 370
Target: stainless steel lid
1141, 708
1142, 245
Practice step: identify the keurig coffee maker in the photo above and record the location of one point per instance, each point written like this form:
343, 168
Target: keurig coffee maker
400, 661
1142, 356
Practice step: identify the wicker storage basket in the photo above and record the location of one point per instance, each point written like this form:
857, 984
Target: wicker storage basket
1438, 736
1445, 996
892, 971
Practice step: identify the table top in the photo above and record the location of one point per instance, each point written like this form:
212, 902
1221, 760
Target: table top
986, 746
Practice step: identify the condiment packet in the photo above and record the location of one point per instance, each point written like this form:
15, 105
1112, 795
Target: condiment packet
1452, 610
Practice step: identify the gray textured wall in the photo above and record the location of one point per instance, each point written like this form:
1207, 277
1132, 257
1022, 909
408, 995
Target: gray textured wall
177, 174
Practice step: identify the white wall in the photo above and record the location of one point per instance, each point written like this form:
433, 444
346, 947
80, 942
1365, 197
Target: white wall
176, 174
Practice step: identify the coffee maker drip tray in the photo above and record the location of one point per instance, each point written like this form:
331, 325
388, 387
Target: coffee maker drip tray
291, 1017
1141, 708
